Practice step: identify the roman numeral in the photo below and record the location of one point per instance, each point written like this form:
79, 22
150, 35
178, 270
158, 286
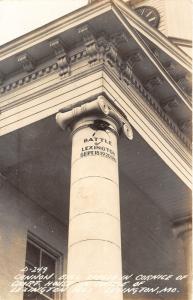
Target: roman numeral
151, 19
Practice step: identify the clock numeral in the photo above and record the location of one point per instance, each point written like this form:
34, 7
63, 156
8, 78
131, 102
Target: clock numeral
149, 14
152, 19
142, 11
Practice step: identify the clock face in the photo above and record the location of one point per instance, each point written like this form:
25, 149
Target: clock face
149, 14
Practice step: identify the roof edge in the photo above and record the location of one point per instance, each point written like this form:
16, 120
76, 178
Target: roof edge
53, 28
155, 36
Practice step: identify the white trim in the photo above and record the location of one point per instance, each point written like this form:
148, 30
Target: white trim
52, 252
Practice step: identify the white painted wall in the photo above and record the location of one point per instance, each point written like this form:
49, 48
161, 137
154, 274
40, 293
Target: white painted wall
179, 18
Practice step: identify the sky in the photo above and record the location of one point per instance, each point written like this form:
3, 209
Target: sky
18, 17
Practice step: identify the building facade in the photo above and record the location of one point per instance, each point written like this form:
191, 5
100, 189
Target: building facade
95, 155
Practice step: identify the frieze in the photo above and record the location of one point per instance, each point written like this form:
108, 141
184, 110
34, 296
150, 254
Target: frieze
29, 78
76, 56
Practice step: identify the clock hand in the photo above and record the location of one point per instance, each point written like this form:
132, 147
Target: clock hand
149, 13
152, 19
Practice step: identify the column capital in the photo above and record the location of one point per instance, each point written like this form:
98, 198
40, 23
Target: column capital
99, 113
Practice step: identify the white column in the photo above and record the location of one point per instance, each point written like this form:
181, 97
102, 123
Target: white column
94, 245
183, 231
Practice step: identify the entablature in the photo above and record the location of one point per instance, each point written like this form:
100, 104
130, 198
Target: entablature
119, 52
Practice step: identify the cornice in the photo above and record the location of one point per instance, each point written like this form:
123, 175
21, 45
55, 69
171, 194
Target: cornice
53, 28
154, 60
154, 35
58, 65
96, 51
84, 14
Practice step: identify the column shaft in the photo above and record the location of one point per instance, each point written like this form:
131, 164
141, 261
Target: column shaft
94, 253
